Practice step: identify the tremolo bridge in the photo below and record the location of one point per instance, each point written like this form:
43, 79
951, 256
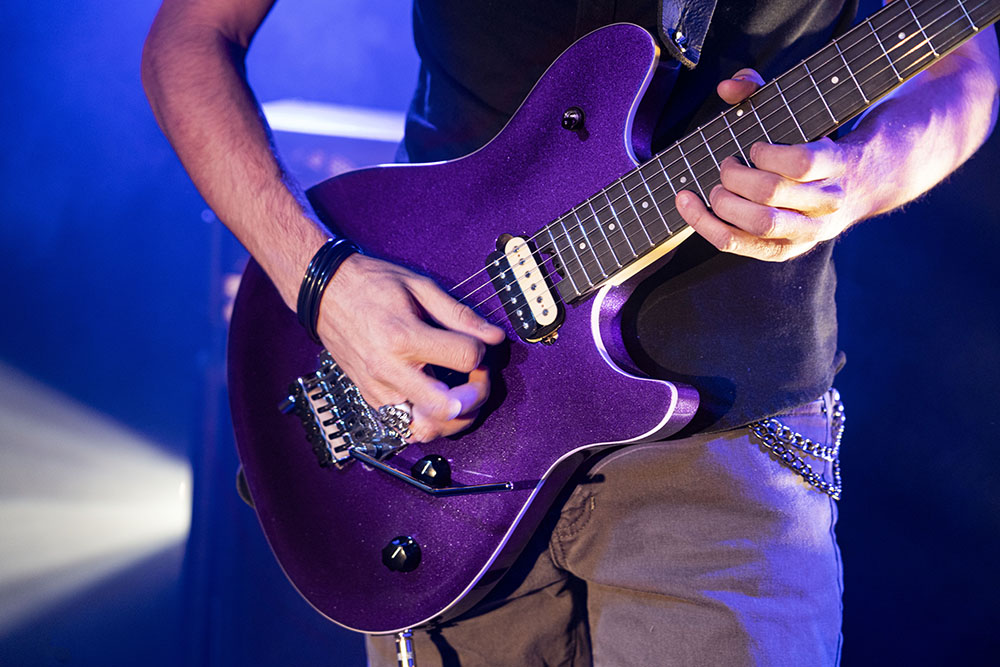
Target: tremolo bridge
336, 417
341, 425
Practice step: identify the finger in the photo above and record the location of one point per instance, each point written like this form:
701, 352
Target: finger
771, 189
425, 344
765, 222
429, 396
728, 238
451, 314
742, 84
424, 429
813, 161
472, 395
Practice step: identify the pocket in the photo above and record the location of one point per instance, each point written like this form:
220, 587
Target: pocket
810, 454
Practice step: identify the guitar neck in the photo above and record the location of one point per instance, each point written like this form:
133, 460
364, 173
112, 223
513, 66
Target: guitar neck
605, 235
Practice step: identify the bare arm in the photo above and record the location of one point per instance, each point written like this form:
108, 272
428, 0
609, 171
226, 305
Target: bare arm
370, 318
798, 196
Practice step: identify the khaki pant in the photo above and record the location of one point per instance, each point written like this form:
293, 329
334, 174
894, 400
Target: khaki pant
701, 551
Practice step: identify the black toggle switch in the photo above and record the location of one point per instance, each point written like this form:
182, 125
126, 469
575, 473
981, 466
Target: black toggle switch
433, 470
402, 554
572, 119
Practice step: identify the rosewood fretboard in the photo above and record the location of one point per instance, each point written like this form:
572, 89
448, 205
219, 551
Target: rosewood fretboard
611, 230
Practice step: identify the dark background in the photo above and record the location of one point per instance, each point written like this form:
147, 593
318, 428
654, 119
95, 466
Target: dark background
113, 277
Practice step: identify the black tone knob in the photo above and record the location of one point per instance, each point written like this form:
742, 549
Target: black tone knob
402, 554
433, 470
573, 119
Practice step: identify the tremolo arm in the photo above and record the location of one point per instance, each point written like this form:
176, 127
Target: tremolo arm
341, 425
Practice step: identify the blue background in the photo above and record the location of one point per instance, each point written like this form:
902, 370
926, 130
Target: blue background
112, 273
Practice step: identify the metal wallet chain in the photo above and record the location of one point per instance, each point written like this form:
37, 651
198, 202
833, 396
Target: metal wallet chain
783, 441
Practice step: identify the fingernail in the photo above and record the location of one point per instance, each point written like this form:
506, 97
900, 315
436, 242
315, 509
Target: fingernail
454, 408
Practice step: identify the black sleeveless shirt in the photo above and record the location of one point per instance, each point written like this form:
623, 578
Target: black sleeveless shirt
754, 338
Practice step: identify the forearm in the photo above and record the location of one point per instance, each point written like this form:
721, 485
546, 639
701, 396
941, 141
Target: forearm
923, 132
194, 76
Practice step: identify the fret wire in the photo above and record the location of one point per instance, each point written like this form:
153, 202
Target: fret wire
622, 200
656, 205
908, 45
569, 272
753, 107
638, 217
790, 112
709, 149
606, 216
851, 72
987, 16
600, 226
569, 242
961, 5
735, 140
617, 225
691, 171
666, 176
819, 92
953, 23
581, 210
621, 227
589, 244
763, 127
663, 167
881, 46
668, 209
921, 29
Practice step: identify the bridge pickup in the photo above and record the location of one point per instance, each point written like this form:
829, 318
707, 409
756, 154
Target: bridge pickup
524, 288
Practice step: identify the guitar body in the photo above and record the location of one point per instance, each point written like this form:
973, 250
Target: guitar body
552, 405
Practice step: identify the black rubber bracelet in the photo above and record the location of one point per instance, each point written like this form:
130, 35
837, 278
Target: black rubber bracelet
321, 268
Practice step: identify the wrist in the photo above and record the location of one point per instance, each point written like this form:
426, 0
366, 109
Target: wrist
864, 181
321, 268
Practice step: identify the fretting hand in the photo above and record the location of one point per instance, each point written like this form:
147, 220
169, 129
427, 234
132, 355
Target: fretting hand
790, 199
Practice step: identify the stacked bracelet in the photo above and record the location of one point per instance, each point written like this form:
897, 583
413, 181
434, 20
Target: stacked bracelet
324, 264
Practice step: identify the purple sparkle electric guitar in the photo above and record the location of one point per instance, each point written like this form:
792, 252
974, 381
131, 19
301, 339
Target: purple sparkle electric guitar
547, 228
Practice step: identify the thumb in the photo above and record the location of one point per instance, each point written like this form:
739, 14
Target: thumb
740, 86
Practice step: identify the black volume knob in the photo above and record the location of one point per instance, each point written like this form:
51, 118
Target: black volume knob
402, 554
433, 470
573, 119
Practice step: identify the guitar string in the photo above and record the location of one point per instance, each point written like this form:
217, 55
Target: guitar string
561, 218
545, 271
585, 264
600, 251
589, 264
638, 219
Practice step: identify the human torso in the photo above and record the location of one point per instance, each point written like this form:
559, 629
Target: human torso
753, 337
